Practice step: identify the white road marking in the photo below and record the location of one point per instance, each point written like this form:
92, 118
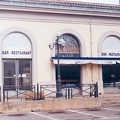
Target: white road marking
43, 116
110, 109
86, 113
101, 117
110, 118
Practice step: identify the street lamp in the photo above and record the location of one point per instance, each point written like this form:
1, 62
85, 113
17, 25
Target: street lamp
60, 44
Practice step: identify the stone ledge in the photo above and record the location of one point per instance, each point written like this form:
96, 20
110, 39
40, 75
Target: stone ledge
49, 104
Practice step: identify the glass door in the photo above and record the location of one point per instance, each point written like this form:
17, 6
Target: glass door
17, 74
9, 74
24, 74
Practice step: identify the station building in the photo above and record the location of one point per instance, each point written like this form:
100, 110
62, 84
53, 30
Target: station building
91, 32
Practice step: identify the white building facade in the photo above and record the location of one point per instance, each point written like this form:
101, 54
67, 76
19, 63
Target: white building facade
92, 36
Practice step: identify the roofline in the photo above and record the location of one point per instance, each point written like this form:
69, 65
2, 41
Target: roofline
80, 8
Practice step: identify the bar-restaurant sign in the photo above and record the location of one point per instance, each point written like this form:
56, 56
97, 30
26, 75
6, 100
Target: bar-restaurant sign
17, 53
111, 53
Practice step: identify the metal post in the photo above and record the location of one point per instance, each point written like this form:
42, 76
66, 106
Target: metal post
59, 43
33, 88
37, 91
90, 90
96, 90
68, 92
58, 83
3, 93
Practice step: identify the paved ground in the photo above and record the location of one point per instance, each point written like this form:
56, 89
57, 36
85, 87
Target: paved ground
83, 114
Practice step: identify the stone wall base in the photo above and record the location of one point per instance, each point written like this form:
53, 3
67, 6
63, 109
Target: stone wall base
49, 104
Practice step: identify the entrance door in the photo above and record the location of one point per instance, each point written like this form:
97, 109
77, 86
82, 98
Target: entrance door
70, 74
17, 74
111, 73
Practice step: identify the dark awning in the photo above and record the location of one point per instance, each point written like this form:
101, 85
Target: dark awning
85, 60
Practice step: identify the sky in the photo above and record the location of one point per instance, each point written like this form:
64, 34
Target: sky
101, 1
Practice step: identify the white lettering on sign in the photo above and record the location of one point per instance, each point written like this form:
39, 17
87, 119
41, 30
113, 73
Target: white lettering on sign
110, 54
103, 62
84, 61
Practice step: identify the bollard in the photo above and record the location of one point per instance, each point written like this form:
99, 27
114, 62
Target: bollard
69, 90
90, 90
3, 93
69, 93
37, 91
42, 95
96, 90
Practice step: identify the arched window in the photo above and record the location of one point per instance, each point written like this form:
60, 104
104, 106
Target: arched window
72, 48
69, 73
111, 47
16, 45
17, 55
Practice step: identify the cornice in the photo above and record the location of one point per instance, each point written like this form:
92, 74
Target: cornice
54, 7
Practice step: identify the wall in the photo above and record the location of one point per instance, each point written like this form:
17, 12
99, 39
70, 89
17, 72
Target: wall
43, 27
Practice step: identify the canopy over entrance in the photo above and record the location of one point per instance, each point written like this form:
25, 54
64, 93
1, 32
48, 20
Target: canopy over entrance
85, 60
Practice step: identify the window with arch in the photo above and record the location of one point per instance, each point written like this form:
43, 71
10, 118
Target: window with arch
70, 74
111, 46
16, 45
17, 56
72, 48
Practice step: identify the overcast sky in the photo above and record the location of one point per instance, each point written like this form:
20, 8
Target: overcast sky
101, 1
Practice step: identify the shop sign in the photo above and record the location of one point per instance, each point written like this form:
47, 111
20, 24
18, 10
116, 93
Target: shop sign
111, 54
16, 53
84, 61
103, 62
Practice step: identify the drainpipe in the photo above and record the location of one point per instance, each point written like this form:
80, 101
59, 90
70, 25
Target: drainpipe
90, 39
91, 50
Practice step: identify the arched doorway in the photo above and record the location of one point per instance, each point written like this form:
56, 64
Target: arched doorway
16, 58
69, 73
111, 49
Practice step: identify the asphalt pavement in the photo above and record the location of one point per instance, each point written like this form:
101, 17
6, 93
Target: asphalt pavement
112, 113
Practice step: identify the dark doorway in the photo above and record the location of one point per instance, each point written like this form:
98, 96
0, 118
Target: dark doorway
111, 73
69, 74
